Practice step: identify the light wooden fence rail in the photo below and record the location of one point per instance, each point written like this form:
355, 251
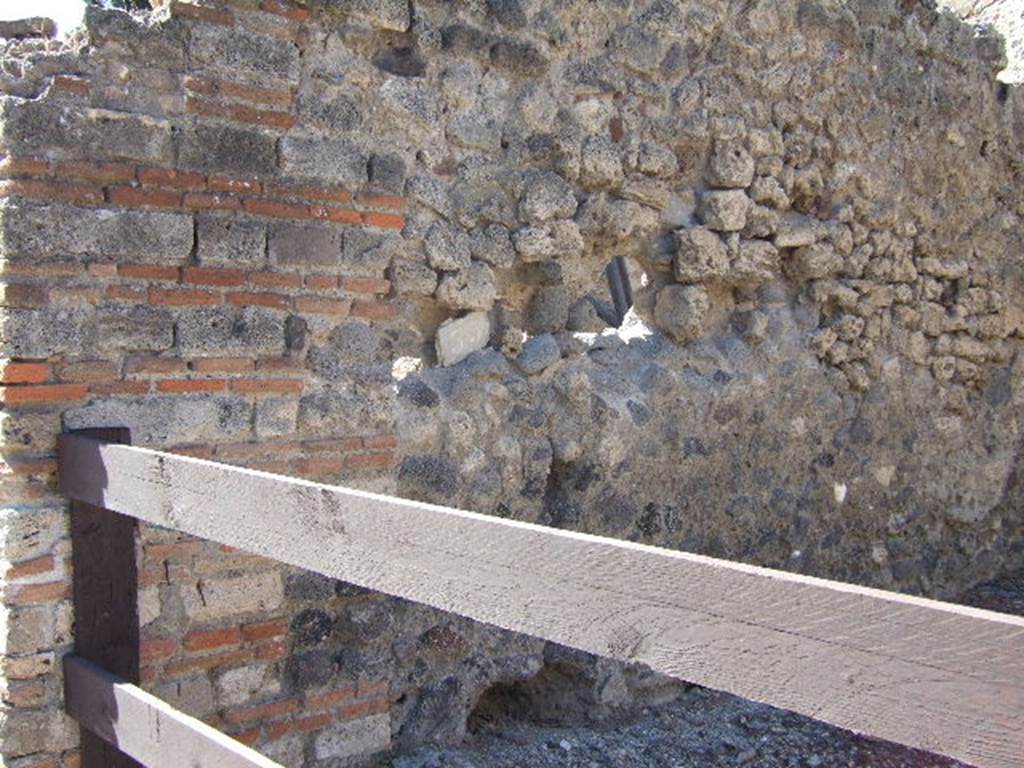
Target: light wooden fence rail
933, 675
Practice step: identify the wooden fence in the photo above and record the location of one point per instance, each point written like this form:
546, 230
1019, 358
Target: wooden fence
927, 674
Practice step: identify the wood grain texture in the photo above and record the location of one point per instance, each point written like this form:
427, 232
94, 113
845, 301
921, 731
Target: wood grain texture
105, 599
148, 728
941, 677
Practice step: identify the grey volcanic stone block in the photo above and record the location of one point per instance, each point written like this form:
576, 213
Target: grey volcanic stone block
37, 26
457, 339
360, 737
546, 196
681, 310
724, 211
447, 246
413, 277
156, 420
231, 331
62, 230
230, 241
233, 48
38, 334
345, 411
31, 128
134, 328
305, 244
337, 160
227, 149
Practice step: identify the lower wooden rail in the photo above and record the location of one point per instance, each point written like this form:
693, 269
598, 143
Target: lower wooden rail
932, 675
145, 728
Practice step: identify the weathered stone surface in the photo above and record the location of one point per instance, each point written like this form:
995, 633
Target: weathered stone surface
47, 129
730, 166
363, 736
600, 163
37, 26
457, 339
814, 261
292, 245
549, 309
230, 241
724, 211
447, 246
253, 594
59, 230
227, 149
556, 239
165, 421
413, 277
230, 331
546, 196
469, 288
336, 160
681, 311
701, 255
493, 245
539, 353
232, 49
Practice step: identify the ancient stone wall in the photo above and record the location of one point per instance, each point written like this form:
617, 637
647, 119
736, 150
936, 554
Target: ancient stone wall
367, 242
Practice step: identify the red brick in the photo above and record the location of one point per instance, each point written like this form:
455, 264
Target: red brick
23, 296
30, 694
289, 11
46, 393
334, 445
58, 269
196, 664
276, 386
330, 194
276, 279
173, 550
261, 711
249, 298
168, 177
120, 388
373, 310
105, 173
157, 648
322, 282
366, 284
262, 630
190, 385
240, 113
124, 293
320, 306
211, 276
104, 269
46, 190
308, 466
273, 467
182, 298
269, 96
615, 129
70, 84
195, 451
199, 13
276, 209
11, 167
205, 640
382, 201
155, 365
33, 567
133, 197
330, 698
381, 441
25, 373
198, 201
273, 651
376, 460
223, 364
355, 709
335, 214
384, 220
275, 731
372, 688
42, 593
249, 737
88, 370
226, 184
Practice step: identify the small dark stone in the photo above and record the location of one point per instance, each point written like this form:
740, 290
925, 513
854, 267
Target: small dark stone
295, 333
694, 446
520, 59
307, 585
419, 393
461, 38
310, 669
387, 173
436, 715
508, 12
641, 413
428, 478
403, 61
312, 626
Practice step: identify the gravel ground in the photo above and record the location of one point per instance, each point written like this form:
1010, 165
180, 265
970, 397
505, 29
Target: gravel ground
702, 728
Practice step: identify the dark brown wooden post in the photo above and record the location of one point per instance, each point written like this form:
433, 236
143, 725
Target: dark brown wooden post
105, 585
